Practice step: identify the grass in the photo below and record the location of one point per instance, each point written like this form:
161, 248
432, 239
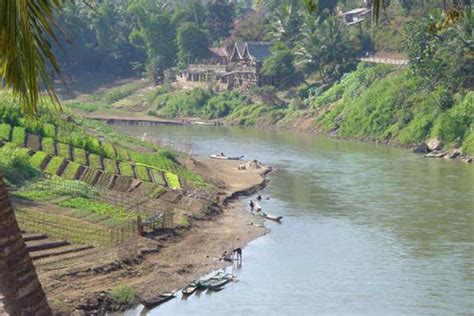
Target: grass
142, 173
64, 150
94, 207
94, 161
71, 170
5, 130
124, 294
19, 135
84, 106
54, 165
126, 169
80, 156
173, 181
48, 146
47, 189
37, 159
110, 166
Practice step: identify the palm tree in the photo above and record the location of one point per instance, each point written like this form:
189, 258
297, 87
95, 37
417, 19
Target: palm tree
26, 61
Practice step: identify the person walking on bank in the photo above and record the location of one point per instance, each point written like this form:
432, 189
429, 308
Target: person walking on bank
252, 205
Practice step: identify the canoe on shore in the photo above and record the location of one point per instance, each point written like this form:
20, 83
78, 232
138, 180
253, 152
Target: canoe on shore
190, 289
272, 218
220, 157
157, 300
213, 284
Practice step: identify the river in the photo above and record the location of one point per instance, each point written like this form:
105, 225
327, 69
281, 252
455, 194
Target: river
367, 229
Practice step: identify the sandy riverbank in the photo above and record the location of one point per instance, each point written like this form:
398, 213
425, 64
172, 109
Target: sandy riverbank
183, 255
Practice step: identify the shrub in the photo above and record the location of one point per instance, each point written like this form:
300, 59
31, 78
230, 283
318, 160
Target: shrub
53, 165
19, 135
71, 170
124, 294
126, 169
37, 159
5, 130
15, 164
64, 150
48, 146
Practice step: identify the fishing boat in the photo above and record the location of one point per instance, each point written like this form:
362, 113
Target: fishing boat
223, 157
216, 281
272, 218
190, 289
158, 300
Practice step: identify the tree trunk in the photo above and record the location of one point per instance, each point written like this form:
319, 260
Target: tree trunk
19, 285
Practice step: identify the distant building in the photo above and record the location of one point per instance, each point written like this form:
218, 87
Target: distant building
239, 68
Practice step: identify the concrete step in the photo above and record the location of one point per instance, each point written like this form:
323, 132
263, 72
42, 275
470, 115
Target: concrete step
33, 236
54, 252
40, 245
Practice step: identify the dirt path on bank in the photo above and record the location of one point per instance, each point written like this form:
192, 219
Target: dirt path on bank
176, 258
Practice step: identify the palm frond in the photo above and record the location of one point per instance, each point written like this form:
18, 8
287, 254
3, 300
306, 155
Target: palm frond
26, 57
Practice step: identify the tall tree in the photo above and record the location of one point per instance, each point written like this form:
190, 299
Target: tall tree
220, 16
26, 60
192, 43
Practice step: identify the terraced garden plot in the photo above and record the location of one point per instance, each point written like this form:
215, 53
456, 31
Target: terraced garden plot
110, 166
142, 173
49, 130
19, 135
5, 130
172, 180
109, 150
38, 158
48, 146
54, 165
126, 169
94, 161
64, 151
80, 156
158, 177
122, 153
71, 170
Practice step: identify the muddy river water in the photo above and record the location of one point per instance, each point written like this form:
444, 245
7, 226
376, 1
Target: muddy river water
367, 229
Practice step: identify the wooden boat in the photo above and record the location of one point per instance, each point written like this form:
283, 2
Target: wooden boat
190, 289
221, 157
158, 300
272, 218
213, 284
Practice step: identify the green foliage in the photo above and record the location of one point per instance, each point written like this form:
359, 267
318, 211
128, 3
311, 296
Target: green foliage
122, 153
126, 169
80, 156
108, 150
49, 130
94, 161
37, 159
19, 135
93, 207
48, 145
15, 165
124, 294
110, 166
173, 181
142, 173
280, 65
64, 150
5, 132
84, 106
47, 189
192, 43
71, 170
53, 165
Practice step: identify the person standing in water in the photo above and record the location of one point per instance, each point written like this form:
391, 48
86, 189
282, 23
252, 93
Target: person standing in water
252, 205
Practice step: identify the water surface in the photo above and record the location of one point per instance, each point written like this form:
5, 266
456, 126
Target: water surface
368, 229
